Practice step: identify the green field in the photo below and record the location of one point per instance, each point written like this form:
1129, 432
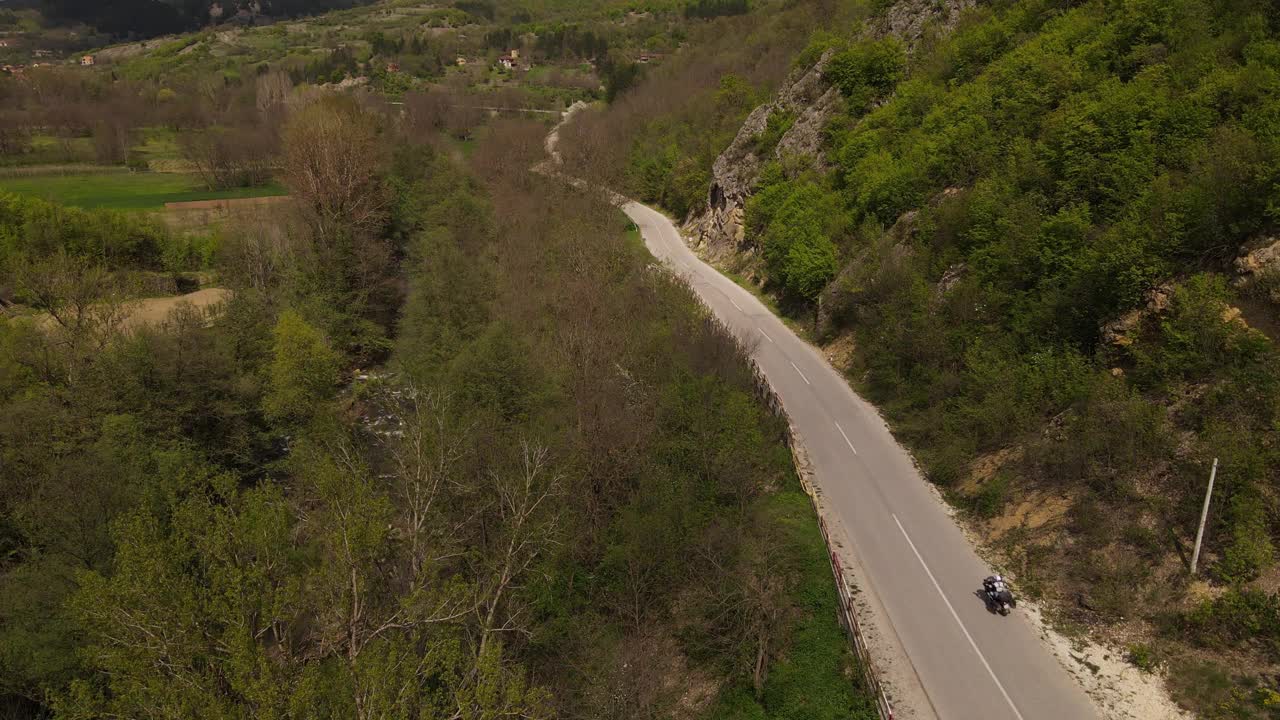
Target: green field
126, 190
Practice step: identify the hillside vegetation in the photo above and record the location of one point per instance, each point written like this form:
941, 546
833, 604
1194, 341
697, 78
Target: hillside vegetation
1026, 230
147, 18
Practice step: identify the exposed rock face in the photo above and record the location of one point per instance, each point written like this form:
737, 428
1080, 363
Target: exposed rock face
719, 233
907, 20
1120, 332
810, 98
952, 277
1256, 263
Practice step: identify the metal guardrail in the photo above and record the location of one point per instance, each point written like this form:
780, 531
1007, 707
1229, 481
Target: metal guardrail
849, 619
848, 615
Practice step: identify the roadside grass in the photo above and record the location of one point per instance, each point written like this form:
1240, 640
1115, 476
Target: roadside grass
126, 191
1213, 689
817, 679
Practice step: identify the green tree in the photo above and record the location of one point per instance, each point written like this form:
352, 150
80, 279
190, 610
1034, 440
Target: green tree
867, 70
1250, 551
303, 372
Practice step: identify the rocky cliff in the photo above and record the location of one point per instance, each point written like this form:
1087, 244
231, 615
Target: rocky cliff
810, 100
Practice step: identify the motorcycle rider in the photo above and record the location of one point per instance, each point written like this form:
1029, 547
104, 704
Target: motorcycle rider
996, 589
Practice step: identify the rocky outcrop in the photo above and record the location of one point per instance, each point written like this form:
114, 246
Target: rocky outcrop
908, 20
1264, 261
718, 232
1121, 331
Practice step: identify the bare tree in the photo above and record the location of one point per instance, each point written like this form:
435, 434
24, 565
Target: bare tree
271, 96
747, 607
527, 528
229, 157
426, 454
425, 114
359, 596
257, 251
15, 134
333, 154
111, 140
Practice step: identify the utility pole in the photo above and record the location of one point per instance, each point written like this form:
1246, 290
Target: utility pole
1204, 514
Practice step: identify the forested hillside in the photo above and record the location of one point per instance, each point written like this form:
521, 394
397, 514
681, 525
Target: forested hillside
148, 18
1043, 242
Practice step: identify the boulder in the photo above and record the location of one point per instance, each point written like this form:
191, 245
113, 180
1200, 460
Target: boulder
1263, 260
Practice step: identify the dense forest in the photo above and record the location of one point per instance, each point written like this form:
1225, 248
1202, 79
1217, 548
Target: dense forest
451, 449
148, 18
1030, 238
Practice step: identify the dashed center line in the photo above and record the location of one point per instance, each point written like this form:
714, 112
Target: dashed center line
736, 305
963, 629
846, 439
802, 377
765, 334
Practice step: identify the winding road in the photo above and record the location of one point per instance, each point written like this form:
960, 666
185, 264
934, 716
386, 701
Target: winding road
971, 664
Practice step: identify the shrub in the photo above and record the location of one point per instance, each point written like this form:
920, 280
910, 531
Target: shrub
1143, 657
867, 70
992, 496
1236, 616
1250, 551
1197, 336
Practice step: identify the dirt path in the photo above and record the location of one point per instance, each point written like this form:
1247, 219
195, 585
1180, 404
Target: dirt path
153, 311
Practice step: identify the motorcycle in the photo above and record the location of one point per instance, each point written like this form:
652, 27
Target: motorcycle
998, 600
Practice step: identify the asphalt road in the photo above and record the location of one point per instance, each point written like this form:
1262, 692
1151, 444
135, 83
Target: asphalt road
972, 663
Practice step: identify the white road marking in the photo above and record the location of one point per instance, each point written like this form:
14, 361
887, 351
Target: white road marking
846, 439
736, 305
963, 629
765, 334
802, 377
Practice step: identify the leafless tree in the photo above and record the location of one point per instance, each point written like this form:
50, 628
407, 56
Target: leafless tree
527, 527
426, 454
111, 140
230, 157
257, 251
748, 610
271, 96
333, 154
